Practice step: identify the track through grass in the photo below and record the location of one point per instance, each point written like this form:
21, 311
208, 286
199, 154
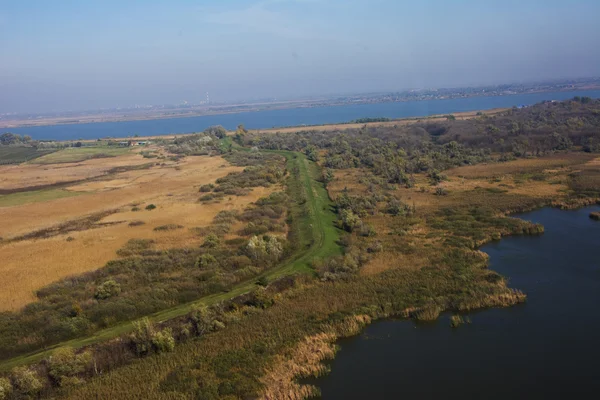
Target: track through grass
317, 238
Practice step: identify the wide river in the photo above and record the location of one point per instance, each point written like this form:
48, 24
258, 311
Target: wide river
288, 117
547, 348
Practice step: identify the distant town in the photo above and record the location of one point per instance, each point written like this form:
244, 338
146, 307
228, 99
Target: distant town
208, 107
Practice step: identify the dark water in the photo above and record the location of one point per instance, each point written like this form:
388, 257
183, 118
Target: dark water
547, 348
289, 117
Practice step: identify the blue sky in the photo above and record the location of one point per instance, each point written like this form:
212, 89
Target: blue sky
59, 55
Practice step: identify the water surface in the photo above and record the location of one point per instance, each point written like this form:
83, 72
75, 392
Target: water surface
546, 348
288, 117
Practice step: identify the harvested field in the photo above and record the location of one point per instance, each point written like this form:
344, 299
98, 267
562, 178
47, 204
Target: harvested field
48, 240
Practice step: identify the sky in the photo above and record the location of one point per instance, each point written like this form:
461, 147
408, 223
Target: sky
81, 55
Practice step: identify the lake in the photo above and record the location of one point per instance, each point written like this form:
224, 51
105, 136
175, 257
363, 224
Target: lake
288, 117
546, 348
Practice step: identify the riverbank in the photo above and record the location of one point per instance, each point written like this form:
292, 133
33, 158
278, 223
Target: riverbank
269, 119
211, 110
399, 358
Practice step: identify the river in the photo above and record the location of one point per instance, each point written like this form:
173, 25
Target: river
288, 117
546, 348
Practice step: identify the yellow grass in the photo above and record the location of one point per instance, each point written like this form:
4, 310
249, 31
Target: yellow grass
27, 175
31, 264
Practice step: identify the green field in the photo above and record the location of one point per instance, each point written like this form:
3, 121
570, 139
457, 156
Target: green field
17, 155
34, 196
77, 154
317, 238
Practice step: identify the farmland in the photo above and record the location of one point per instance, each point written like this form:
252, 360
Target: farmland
17, 155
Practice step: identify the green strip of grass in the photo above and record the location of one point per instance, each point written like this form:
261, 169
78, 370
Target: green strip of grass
34, 196
77, 154
317, 239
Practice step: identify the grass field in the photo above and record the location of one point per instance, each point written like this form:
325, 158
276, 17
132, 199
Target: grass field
317, 236
17, 155
77, 154
34, 196
33, 263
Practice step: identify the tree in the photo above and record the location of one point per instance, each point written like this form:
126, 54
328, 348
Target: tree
5, 388
211, 241
64, 366
145, 338
217, 131
204, 320
26, 381
107, 289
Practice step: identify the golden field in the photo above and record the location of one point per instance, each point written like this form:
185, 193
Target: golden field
29, 264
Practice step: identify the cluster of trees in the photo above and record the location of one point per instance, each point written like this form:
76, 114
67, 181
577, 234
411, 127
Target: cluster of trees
396, 152
13, 139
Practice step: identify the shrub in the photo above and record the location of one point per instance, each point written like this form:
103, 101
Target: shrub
135, 209
26, 381
207, 188
207, 197
263, 281
5, 388
456, 321
168, 227
163, 341
150, 207
106, 290
429, 313
204, 320
64, 365
440, 191
206, 261
211, 241
137, 222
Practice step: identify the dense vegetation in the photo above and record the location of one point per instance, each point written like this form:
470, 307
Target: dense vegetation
257, 344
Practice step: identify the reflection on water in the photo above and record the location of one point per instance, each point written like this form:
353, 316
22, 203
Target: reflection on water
548, 347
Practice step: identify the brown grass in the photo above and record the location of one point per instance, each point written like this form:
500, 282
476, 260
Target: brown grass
523, 165
32, 175
31, 264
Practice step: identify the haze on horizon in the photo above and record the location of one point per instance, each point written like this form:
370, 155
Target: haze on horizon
87, 55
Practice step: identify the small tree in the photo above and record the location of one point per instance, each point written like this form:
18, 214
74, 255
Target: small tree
26, 381
108, 289
145, 338
211, 241
205, 320
263, 281
64, 366
163, 341
206, 260
5, 388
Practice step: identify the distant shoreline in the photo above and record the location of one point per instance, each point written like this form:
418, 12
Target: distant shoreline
236, 109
